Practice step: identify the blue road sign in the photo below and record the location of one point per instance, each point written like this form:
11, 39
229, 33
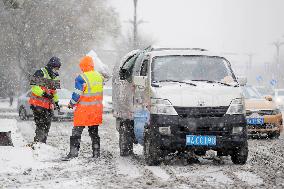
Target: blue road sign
273, 82
259, 78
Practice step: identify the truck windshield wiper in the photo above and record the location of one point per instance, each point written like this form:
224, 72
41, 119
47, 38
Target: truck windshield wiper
170, 80
212, 81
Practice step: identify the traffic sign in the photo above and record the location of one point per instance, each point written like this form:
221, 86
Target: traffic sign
273, 82
259, 78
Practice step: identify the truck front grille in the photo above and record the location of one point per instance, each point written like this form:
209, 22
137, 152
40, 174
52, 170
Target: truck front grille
197, 112
208, 130
260, 112
264, 126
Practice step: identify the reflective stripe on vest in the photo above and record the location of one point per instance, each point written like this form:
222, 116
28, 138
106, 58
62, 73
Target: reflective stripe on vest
91, 103
39, 100
46, 75
45, 100
93, 93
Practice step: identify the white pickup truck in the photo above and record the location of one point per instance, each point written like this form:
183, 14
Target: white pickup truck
193, 99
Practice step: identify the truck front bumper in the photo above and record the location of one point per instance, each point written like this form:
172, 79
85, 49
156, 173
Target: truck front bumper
180, 127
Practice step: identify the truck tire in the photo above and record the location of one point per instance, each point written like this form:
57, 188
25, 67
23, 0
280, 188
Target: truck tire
200, 152
152, 151
273, 135
125, 138
240, 155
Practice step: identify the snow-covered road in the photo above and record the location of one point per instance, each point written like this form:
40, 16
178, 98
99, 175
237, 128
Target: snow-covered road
23, 167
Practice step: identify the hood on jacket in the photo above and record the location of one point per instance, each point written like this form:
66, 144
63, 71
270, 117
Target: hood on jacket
87, 64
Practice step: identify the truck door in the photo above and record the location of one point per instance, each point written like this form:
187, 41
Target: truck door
126, 88
142, 95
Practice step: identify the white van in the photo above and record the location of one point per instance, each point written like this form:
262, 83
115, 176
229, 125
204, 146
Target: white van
189, 100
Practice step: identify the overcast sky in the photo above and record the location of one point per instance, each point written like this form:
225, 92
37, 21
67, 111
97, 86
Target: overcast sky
239, 26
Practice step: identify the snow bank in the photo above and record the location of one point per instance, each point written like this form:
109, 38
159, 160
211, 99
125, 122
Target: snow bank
16, 159
20, 158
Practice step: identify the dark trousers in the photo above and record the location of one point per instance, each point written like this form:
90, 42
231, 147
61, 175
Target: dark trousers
93, 132
42, 118
76, 138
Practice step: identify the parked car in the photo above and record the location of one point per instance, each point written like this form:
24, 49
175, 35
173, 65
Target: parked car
279, 98
264, 91
64, 95
107, 99
193, 99
262, 114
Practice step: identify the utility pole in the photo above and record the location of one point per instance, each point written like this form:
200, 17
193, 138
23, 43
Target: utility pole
249, 64
277, 45
135, 25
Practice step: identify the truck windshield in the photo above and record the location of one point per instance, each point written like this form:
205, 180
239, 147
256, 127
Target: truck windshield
185, 68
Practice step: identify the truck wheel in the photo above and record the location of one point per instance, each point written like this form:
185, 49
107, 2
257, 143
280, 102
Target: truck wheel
240, 155
152, 151
200, 152
273, 135
221, 153
125, 138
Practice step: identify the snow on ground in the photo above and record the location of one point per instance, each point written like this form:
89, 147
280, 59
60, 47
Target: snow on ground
248, 177
41, 167
5, 105
20, 158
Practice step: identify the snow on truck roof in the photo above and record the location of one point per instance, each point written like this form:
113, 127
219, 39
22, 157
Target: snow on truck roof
182, 51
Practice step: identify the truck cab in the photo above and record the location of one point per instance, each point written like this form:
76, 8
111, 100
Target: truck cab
193, 99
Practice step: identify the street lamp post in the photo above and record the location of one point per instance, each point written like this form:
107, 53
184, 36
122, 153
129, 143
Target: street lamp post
278, 44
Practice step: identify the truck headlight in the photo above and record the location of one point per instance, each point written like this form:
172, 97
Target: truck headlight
162, 106
237, 106
279, 100
237, 130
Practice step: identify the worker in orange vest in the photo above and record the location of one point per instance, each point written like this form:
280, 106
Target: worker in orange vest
87, 99
43, 100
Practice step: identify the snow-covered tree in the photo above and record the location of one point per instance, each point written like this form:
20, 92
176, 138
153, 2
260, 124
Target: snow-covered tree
36, 30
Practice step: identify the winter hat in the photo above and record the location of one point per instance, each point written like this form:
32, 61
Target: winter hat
87, 64
54, 62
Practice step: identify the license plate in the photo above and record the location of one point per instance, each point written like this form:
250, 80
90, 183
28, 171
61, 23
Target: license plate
255, 121
194, 140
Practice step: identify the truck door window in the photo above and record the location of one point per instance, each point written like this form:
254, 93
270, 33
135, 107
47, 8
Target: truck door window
144, 68
127, 67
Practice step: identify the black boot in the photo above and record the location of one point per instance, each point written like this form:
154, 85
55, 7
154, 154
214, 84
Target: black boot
96, 147
40, 136
74, 147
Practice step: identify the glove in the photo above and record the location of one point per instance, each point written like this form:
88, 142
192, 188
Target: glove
46, 95
70, 106
57, 107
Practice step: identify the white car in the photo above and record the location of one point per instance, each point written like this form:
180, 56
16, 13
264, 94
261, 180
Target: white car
279, 98
64, 97
107, 99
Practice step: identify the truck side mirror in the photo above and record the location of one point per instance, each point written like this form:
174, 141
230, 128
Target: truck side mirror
140, 81
123, 74
242, 80
268, 98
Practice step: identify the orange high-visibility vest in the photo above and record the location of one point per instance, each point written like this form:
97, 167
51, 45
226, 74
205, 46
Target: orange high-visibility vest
89, 109
42, 101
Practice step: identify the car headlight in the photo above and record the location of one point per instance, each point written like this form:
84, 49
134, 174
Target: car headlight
279, 100
276, 111
162, 106
237, 106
